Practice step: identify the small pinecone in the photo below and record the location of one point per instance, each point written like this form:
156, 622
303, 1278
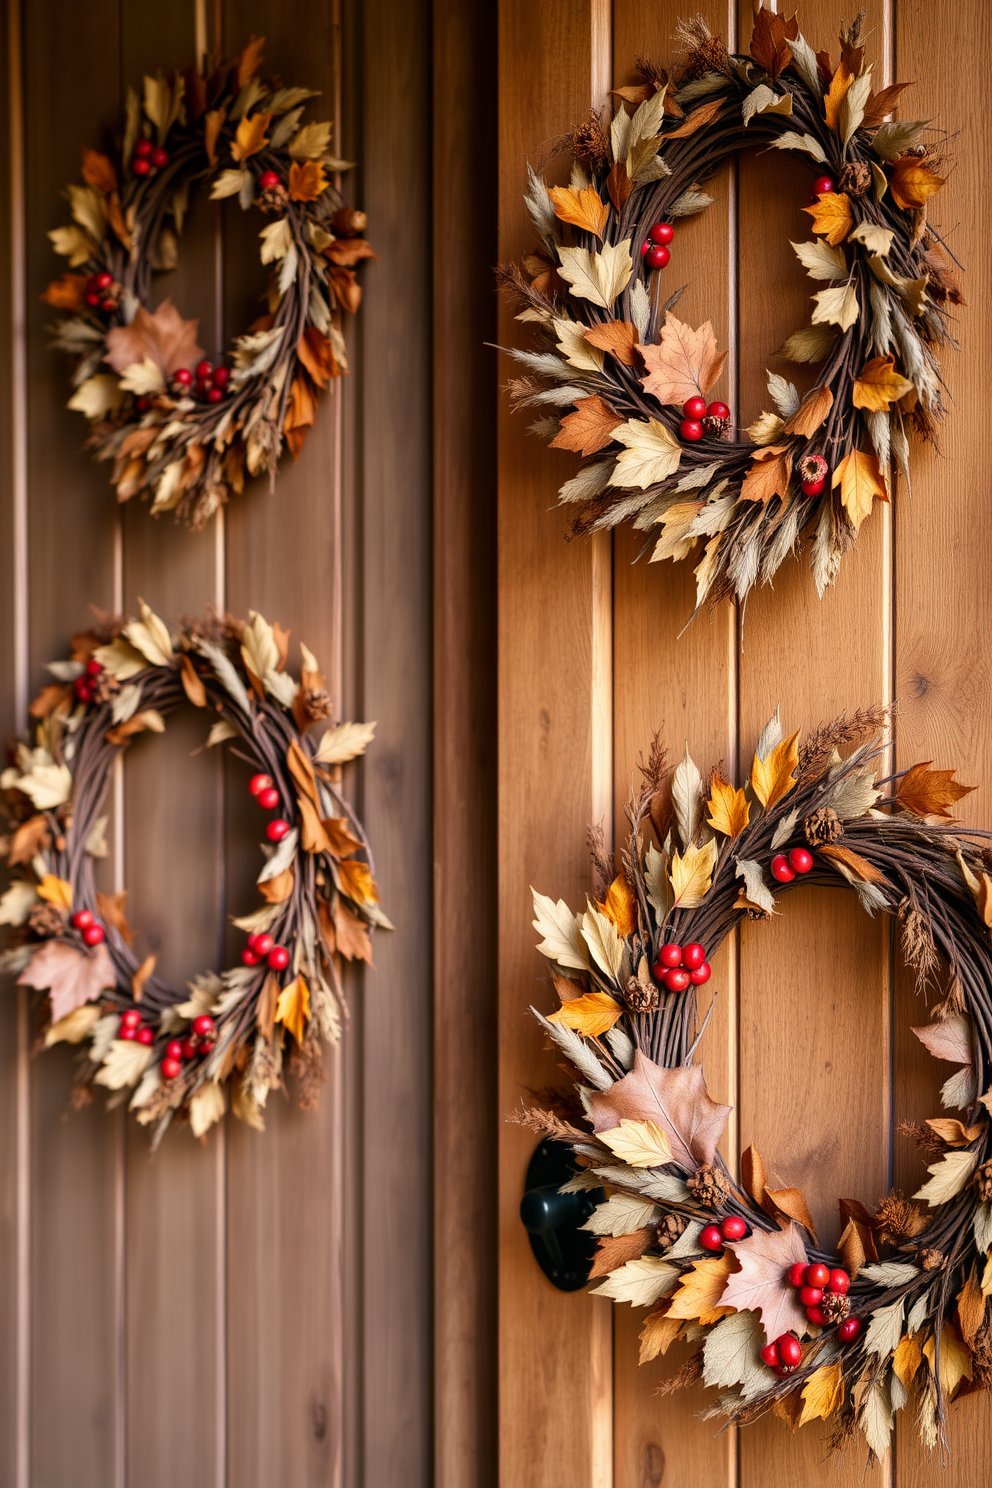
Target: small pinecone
315, 704
671, 1227
983, 1178
274, 198
931, 1259
835, 1307
854, 178
105, 686
823, 826
715, 426
45, 920
348, 222
640, 998
708, 1186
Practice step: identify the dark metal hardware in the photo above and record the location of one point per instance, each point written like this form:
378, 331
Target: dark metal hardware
563, 1251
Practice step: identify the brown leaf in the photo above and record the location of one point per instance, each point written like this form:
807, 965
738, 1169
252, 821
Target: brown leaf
250, 136
658, 1334
584, 209
351, 933
163, 337
316, 353
313, 838
110, 908
192, 682
347, 290
301, 413
768, 476
588, 429
619, 185
971, 1310
307, 180
98, 171
66, 293
31, 836
343, 841
762, 1284
618, 337
212, 125
348, 251
676, 1099
769, 46
277, 890
912, 183
301, 769
116, 219
147, 720
790, 1203
50, 698
684, 364
71, 977
753, 1174
250, 60
266, 1007
140, 977
697, 119
953, 1132
880, 105
613, 1251
859, 867
832, 216
811, 413
926, 792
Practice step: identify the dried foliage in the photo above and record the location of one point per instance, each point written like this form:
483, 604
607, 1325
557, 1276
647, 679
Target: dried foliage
187, 442
318, 897
696, 862
613, 365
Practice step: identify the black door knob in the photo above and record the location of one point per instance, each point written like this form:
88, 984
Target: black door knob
552, 1219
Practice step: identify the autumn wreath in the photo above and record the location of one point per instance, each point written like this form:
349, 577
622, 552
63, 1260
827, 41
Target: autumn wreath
176, 426
167, 1051
900, 1314
655, 452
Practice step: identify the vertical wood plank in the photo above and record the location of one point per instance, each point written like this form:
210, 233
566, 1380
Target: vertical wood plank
943, 546
465, 1008
554, 778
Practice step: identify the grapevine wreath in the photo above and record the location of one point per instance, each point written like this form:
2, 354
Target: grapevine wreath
900, 1314
635, 378
175, 426
164, 1050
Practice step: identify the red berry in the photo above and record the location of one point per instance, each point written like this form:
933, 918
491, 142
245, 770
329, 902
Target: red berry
145, 1036
810, 1296
733, 1228
662, 232
248, 957
174, 1049
691, 429
813, 487
206, 1047
189, 1049
141, 166
657, 257
676, 980
127, 1034
259, 783
694, 408
817, 1275
214, 394
170, 1068
108, 306
92, 299
131, 1019
159, 158
277, 830
83, 918
278, 958
93, 667
781, 869
263, 944
203, 1024
839, 1283
645, 247
203, 370
800, 859
769, 1355
693, 956
104, 280
144, 404
269, 179
797, 1273
822, 184
710, 1238
670, 955
718, 410
849, 1329
184, 377
700, 975
782, 1372
789, 1350
816, 1315
143, 148
93, 935
83, 690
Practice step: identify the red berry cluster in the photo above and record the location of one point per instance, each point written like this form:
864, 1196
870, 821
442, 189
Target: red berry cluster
654, 249
148, 158
83, 686
197, 1045
814, 1282
679, 967
696, 410
268, 798
132, 1028
713, 1236
262, 947
800, 860
101, 292
85, 921
784, 1355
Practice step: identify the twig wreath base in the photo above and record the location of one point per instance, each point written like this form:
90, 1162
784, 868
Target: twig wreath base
176, 427
898, 1319
622, 382
170, 1052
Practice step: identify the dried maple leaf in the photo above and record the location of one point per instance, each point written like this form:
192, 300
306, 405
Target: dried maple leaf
98, 171
691, 874
588, 429
878, 384
832, 216
618, 337
700, 1294
811, 413
658, 1334
71, 977
306, 180
823, 1393
926, 792
770, 40
351, 934
772, 778
583, 208
357, 882
684, 364
861, 482
250, 136
768, 475
162, 337
912, 183
762, 1284
56, 891
66, 293
590, 1015
729, 809
676, 1099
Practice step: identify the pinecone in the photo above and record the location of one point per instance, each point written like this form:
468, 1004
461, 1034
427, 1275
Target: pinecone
715, 426
835, 1307
983, 1179
105, 686
898, 1219
823, 826
274, 198
708, 1186
640, 997
931, 1259
854, 178
315, 703
45, 920
671, 1227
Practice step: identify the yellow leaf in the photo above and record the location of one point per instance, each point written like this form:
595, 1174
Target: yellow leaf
839, 85
823, 1393
832, 217
642, 1144
861, 482
620, 906
293, 1008
772, 778
955, 1360
56, 891
878, 384
589, 1015
658, 1334
583, 209
728, 808
700, 1290
907, 1359
912, 183
306, 180
251, 136
357, 882
692, 873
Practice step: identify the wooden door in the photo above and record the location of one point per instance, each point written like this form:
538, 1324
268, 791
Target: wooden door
592, 662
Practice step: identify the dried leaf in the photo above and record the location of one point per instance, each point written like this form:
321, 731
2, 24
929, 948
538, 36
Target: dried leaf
613, 1252
948, 1176
929, 793
823, 1393
913, 183
70, 976
684, 364
812, 344
293, 1008
696, 120
620, 906
907, 1359
790, 1203
878, 385
839, 85
811, 413
769, 45
56, 891
859, 869
140, 977
971, 1310
832, 216
729, 808
622, 1215
772, 778
599, 277
953, 1363
205, 1108
307, 182
837, 306
344, 742
192, 682
124, 1064
640, 1144
618, 337
691, 873
881, 104
676, 1099
762, 1284
861, 482
561, 933
76, 1026
768, 476
28, 839
250, 136
111, 909
583, 209
657, 1335
640, 1282
163, 337
699, 1295
590, 1015
351, 934
590, 428
651, 454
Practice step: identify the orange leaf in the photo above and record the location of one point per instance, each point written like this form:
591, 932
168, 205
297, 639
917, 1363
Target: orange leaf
301, 769
971, 1310
697, 119
316, 353
583, 208
839, 85
140, 977
313, 838
110, 907
66, 293
613, 1251
753, 1174
729, 808
769, 44
772, 777
861, 482
357, 882
306, 180
57, 891
700, 1290
912, 183
346, 252
251, 136
811, 413
823, 1393
858, 867
212, 126
590, 1015
347, 290
684, 364
620, 906
266, 1006
618, 337
791, 1203
351, 934
277, 890
878, 384
588, 429
250, 60
293, 1008
49, 698
98, 171
768, 476
832, 216
927, 792
907, 1358
658, 1334
192, 682
31, 836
